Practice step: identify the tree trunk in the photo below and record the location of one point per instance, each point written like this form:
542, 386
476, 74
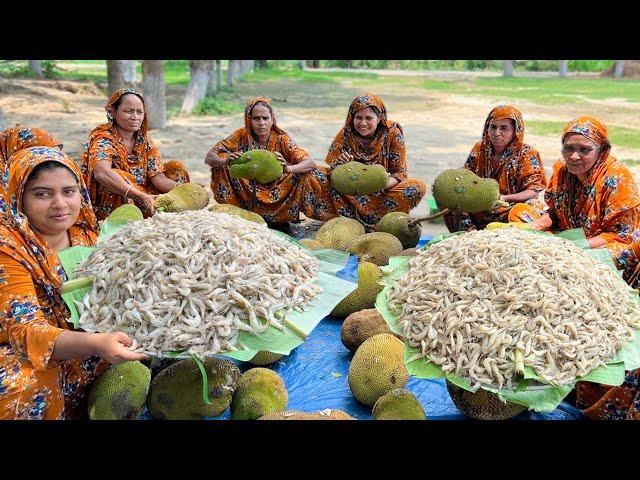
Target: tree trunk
218, 75
197, 89
115, 75
564, 68
232, 71
618, 69
247, 66
212, 82
129, 73
302, 64
153, 87
261, 64
508, 68
3, 121
36, 67
315, 63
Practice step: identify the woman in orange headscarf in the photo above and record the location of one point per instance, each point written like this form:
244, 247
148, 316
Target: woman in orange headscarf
44, 366
370, 138
516, 166
302, 187
121, 164
17, 138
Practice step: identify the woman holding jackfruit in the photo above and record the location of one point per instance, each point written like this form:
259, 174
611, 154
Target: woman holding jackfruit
370, 138
299, 189
516, 166
44, 366
121, 164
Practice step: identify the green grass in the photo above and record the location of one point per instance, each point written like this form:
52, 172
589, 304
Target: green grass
631, 162
548, 91
222, 104
269, 75
618, 136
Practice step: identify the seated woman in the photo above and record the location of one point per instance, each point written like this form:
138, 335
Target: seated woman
503, 156
121, 164
368, 137
590, 189
17, 138
301, 188
44, 366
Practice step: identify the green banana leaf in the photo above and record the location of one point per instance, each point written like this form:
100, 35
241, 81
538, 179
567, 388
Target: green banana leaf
532, 391
297, 325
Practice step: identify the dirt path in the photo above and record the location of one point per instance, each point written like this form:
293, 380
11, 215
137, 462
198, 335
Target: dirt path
440, 128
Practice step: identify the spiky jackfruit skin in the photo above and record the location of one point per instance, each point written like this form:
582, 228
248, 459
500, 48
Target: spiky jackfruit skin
409, 252
355, 178
377, 367
369, 286
361, 325
397, 224
260, 391
398, 404
176, 392
311, 244
186, 196
328, 414
126, 213
376, 247
237, 211
461, 190
120, 393
482, 405
338, 233
264, 357
260, 165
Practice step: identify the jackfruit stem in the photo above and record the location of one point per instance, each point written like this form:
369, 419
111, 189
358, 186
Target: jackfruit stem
295, 329
519, 361
76, 284
412, 223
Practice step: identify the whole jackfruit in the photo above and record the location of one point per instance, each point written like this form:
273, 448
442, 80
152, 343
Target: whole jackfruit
338, 232
265, 357
397, 224
361, 325
377, 367
398, 404
461, 190
328, 414
369, 286
409, 252
355, 178
311, 244
375, 247
176, 392
186, 196
237, 211
120, 393
127, 213
482, 405
260, 391
260, 165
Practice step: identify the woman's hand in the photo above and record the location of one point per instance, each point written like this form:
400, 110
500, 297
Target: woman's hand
283, 162
113, 347
345, 157
391, 182
233, 156
144, 201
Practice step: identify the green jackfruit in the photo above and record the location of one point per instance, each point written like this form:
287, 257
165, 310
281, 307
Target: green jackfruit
260, 165
260, 391
237, 211
375, 247
176, 392
398, 404
356, 178
338, 232
409, 252
328, 414
397, 224
186, 196
461, 190
482, 405
377, 367
126, 212
369, 286
265, 357
361, 325
120, 393
311, 244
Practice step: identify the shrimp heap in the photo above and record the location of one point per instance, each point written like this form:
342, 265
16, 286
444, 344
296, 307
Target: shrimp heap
193, 281
469, 302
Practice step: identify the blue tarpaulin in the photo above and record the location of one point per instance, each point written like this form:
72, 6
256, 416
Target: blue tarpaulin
316, 372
